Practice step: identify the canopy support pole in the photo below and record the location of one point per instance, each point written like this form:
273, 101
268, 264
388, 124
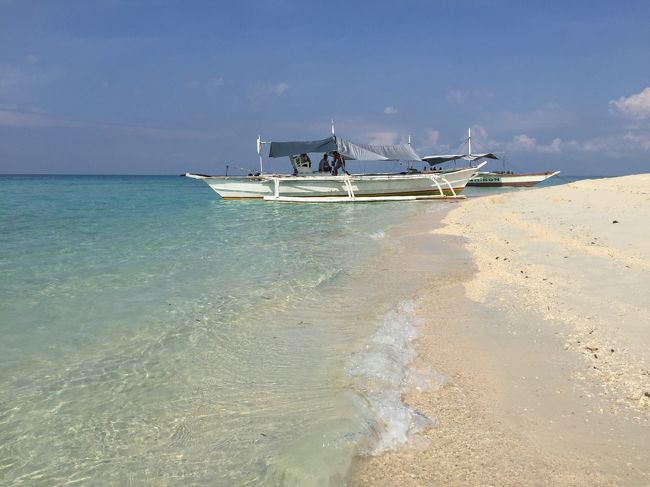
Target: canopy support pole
259, 152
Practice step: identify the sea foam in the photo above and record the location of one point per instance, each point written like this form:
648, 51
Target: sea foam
381, 374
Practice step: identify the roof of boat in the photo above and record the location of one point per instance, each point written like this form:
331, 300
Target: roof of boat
348, 149
439, 159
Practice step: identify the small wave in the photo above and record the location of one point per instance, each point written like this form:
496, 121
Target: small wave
378, 235
381, 374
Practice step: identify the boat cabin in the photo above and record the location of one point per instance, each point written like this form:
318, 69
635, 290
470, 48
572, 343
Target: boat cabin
301, 164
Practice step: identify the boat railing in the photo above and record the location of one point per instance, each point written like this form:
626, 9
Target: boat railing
347, 181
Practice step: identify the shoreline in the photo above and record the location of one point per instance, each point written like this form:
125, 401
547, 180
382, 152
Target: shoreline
530, 398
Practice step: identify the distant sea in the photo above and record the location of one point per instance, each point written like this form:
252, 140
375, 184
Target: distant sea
154, 334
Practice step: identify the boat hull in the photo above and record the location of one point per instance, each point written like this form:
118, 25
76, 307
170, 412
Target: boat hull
344, 187
490, 179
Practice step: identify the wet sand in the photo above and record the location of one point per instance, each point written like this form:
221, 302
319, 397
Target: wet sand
537, 313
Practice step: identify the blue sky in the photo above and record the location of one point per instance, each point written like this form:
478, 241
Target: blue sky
164, 87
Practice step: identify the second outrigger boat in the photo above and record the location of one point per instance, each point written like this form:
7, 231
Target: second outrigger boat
489, 178
304, 185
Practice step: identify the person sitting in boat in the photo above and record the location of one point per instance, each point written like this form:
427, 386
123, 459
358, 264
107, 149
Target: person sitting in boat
324, 165
339, 163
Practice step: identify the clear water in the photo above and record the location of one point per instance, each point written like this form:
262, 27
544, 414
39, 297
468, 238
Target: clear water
151, 333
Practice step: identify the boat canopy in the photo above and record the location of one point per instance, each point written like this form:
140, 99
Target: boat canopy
349, 150
452, 157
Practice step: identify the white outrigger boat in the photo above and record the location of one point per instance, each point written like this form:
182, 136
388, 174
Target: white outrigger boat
486, 179
489, 178
304, 185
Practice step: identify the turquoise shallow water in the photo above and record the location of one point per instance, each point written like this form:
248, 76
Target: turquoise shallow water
153, 333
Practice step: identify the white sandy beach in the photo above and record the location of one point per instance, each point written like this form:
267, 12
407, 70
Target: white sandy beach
539, 317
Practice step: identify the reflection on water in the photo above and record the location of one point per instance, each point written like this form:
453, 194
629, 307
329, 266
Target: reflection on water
153, 333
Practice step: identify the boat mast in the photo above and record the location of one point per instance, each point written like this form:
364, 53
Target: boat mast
259, 152
469, 142
409, 164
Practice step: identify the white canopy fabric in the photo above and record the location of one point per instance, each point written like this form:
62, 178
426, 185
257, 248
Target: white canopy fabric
452, 157
285, 149
365, 152
348, 149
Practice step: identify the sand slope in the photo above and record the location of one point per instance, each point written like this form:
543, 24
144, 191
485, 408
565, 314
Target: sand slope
577, 253
537, 312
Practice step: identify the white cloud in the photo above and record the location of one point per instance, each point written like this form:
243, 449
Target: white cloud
383, 138
427, 142
610, 145
11, 78
262, 93
636, 106
525, 143
632, 143
432, 136
14, 79
390, 110
455, 97
472, 97
372, 130
550, 116
280, 88
36, 120
640, 140
209, 84
480, 139
29, 119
